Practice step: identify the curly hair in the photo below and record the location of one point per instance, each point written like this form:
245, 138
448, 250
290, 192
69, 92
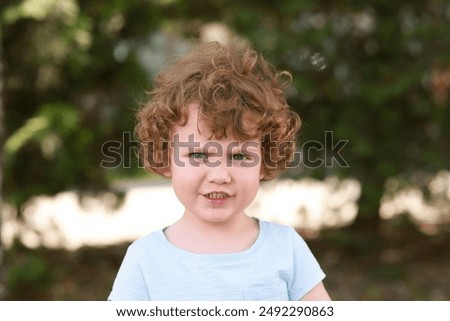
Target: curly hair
228, 83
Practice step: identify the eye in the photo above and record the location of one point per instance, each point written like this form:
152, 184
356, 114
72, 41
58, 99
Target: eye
197, 155
239, 157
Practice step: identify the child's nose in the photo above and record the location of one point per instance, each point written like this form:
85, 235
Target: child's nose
219, 173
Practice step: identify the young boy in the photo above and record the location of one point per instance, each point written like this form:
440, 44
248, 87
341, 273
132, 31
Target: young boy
218, 124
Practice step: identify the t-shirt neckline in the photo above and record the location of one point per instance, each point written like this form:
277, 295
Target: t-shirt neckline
176, 250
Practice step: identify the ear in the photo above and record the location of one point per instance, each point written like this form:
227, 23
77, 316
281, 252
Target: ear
261, 173
163, 170
166, 172
165, 165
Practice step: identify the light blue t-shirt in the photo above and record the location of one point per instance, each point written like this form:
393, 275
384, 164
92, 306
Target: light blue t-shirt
278, 266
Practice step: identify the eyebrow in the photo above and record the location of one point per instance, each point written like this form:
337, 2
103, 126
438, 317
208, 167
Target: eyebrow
217, 147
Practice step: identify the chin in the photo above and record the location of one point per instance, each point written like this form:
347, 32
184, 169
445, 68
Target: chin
217, 218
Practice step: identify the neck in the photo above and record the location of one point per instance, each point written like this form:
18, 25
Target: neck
228, 228
213, 237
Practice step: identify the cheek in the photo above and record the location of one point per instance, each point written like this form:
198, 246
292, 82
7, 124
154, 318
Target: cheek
250, 192
250, 178
185, 178
183, 185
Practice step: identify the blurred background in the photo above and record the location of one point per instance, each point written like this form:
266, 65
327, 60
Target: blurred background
371, 83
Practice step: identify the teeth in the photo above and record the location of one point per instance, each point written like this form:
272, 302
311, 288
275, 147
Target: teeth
216, 195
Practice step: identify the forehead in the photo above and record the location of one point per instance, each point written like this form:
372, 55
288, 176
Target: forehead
202, 128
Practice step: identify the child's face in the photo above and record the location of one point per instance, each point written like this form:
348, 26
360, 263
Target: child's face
215, 180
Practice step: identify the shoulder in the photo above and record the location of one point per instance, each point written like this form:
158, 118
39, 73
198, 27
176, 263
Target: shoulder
276, 230
282, 236
275, 226
286, 239
130, 282
145, 252
150, 242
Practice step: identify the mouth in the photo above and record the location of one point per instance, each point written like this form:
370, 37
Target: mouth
216, 195
217, 198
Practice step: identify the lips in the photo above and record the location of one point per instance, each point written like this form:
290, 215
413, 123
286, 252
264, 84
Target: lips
217, 198
216, 195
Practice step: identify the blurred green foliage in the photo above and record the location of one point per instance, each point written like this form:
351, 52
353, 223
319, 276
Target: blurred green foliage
367, 70
30, 276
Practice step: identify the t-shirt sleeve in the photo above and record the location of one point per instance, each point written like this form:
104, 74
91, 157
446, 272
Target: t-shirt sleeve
130, 284
307, 271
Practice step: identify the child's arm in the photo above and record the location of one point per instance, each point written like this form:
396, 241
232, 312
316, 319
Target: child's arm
318, 293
